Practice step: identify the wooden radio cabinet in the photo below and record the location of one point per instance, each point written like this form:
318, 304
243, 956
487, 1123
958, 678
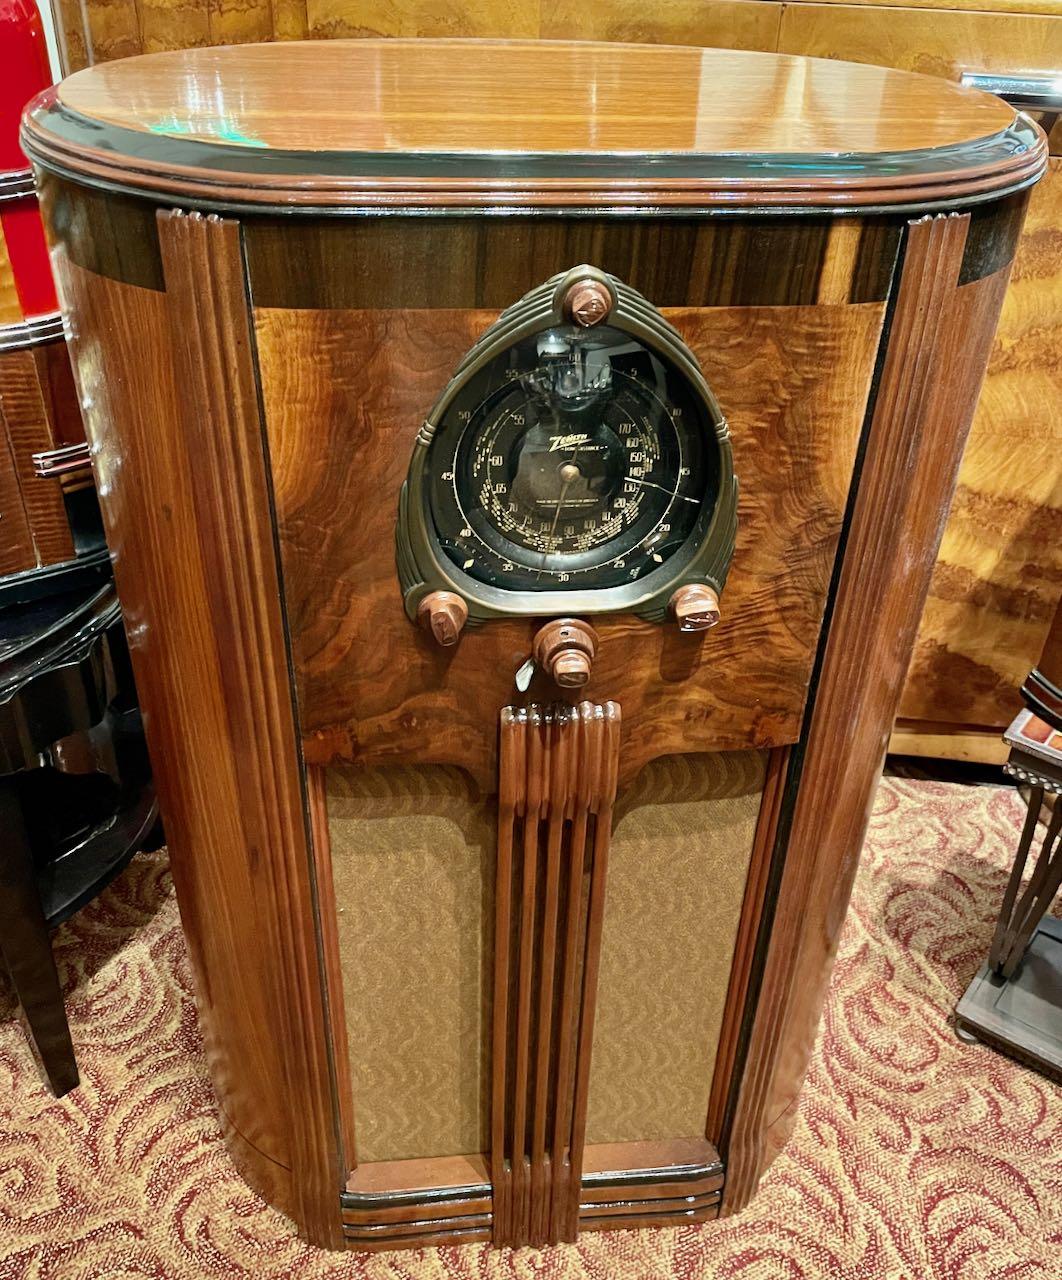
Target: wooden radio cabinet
523, 466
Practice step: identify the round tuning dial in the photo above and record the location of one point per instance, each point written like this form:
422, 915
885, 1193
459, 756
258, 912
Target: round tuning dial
444, 614
695, 607
565, 649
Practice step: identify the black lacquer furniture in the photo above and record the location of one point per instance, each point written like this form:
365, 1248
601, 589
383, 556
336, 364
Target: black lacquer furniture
76, 800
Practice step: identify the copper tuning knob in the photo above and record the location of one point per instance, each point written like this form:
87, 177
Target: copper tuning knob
588, 302
565, 649
444, 614
694, 607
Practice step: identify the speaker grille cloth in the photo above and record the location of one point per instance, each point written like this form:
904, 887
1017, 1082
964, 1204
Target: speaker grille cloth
413, 853
681, 844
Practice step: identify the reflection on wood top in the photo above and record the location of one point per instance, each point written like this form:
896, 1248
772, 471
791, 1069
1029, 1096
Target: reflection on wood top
320, 113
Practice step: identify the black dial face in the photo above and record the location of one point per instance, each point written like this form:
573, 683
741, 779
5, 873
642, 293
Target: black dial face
577, 459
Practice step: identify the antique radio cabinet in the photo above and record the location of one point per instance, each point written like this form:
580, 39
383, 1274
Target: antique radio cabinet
523, 466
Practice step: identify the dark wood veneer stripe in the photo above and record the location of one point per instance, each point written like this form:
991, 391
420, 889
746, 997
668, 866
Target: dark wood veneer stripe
110, 235
396, 263
993, 238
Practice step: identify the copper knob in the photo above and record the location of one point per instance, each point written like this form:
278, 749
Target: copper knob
444, 614
588, 302
565, 648
694, 607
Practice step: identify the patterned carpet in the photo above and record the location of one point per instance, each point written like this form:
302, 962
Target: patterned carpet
915, 1156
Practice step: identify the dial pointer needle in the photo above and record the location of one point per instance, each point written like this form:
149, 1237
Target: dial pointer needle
670, 492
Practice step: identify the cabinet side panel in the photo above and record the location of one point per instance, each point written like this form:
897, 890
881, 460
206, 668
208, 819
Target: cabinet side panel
937, 349
121, 344
206, 641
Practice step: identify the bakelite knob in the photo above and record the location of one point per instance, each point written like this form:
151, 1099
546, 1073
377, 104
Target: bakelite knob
444, 614
694, 607
565, 649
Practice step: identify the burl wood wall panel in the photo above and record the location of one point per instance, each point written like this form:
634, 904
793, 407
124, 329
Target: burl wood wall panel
100, 30
344, 394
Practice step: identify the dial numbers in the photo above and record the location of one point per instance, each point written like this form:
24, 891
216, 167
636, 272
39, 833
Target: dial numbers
576, 459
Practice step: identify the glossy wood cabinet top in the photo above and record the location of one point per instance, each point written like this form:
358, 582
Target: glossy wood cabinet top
322, 123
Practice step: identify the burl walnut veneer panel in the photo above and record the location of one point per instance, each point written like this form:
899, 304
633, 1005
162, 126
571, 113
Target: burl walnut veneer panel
998, 575
344, 394
99, 30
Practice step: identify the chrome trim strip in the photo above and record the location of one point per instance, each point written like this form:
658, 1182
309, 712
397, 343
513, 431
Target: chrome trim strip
1031, 93
61, 462
16, 184
33, 332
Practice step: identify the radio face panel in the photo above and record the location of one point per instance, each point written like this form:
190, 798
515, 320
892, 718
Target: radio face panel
575, 461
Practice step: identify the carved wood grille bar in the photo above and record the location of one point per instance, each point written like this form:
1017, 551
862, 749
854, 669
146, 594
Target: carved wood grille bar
557, 785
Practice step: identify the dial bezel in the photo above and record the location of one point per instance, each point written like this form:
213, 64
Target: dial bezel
705, 555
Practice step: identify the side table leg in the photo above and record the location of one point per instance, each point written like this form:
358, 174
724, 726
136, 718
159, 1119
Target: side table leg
26, 949
1035, 901
1005, 923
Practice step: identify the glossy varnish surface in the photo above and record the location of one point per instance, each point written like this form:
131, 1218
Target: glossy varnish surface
526, 123
429, 95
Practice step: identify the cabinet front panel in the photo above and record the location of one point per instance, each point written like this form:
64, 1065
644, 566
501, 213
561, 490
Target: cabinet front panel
345, 392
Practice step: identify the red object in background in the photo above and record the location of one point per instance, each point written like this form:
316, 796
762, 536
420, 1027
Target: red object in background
27, 252
26, 73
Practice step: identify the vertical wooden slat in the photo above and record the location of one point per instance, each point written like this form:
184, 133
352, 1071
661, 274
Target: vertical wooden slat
510, 807
558, 772
216, 377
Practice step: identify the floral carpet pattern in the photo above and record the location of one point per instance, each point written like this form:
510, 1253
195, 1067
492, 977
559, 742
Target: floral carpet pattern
915, 1157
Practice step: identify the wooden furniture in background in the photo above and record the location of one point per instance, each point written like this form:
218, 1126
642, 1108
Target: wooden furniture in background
257, 371
48, 513
999, 574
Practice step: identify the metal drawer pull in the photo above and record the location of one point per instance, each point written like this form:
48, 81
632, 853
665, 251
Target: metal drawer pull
1032, 93
61, 462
